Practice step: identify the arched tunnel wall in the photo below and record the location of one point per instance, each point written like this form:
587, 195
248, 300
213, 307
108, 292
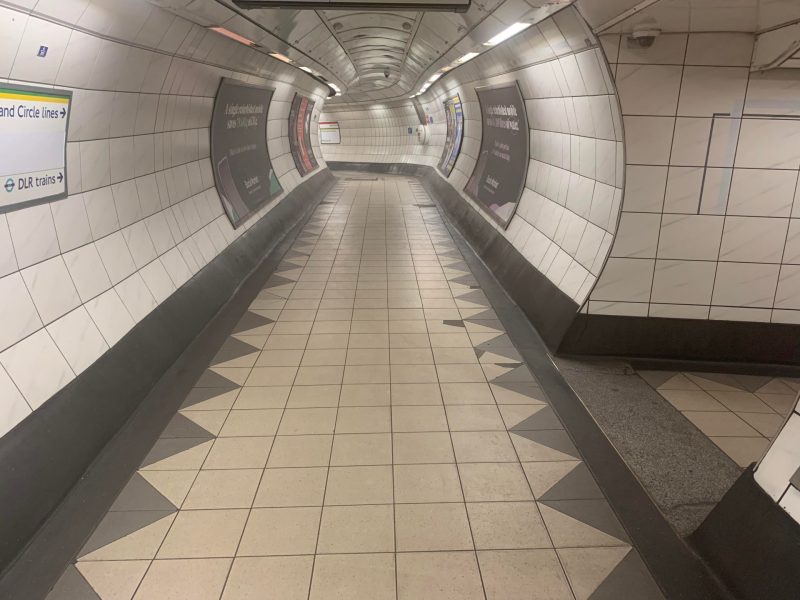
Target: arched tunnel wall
138, 240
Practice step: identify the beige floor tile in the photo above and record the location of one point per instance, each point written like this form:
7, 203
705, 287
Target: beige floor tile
408, 327
507, 525
409, 340
267, 376
239, 453
203, 534
692, 400
741, 402
362, 449
742, 450
319, 375
305, 421
177, 454
474, 417
416, 394
354, 577
494, 481
483, 446
326, 357
201, 579
411, 356
279, 358
262, 397
427, 483
109, 542
369, 340
719, 424
269, 578
467, 393
324, 341
286, 342
300, 451
418, 418
767, 424
251, 423
286, 487
355, 374
368, 356
280, 531
513, 574
223, 489
424, 447
413, 374
370, 327
460, 373
355, 529
450, 340
359, 485
363, 419
365, 394
332, 326
314, 396
111, 579
423, 527
438, 576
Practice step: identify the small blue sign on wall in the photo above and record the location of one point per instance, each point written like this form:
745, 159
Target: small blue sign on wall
410, 131
430, 118
42, 52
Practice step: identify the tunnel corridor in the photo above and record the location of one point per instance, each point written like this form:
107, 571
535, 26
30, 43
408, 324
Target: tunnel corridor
411, 300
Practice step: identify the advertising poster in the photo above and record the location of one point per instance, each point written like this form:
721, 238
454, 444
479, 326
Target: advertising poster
499, 177
300, 134
454, 115
33, 127
242, 168
329, 132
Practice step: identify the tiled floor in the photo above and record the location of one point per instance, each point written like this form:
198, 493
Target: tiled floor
740, 413
367, 432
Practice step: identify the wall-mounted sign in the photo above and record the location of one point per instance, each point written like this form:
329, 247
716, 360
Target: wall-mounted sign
329, 132
242, 169
499, 176
300, 134
454, 115
33, 129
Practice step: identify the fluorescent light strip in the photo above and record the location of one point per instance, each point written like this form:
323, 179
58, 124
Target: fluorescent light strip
306, 69
234, 36
467, 57
507, 33
281, 57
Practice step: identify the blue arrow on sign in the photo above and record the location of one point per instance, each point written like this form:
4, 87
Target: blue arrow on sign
60, 177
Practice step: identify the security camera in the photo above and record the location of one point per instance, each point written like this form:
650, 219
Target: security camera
644, 38
386, 73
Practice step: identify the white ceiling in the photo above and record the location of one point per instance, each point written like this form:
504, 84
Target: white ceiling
354, 49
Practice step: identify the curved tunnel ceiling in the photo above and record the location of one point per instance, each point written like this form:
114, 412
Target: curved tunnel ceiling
380, 56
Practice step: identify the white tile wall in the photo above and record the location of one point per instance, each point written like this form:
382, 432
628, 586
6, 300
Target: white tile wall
717, 169
142, 216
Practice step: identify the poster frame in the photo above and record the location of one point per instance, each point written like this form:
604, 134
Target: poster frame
217, 184
484, 209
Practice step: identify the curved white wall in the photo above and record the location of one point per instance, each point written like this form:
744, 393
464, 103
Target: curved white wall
569, 209
143, 215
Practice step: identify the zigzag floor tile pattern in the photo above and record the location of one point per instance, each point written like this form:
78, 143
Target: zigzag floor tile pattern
367, 431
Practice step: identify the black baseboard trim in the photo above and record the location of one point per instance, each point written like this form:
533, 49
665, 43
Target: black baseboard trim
683, 340
752, 543
47, 454
547, 307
